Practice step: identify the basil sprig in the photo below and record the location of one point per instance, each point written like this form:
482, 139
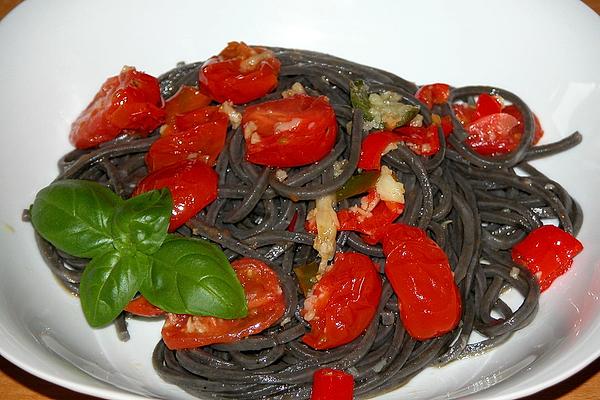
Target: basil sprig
131, 251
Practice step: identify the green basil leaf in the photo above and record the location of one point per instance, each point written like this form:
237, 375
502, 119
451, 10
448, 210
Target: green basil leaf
191, 276
74, 215
359, 96
108, 283
142, 221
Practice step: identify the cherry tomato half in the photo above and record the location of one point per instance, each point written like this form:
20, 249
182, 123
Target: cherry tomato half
343, 302
193, 185
420, 274
487, 105
289, 132
332, 384
186, 99
547, 252
493, 134
199, 134
372, 225
266, 304
514, 111
142, 307
128, 102
240, 74
436, 93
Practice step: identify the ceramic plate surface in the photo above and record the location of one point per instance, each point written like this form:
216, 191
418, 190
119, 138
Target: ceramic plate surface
55, 55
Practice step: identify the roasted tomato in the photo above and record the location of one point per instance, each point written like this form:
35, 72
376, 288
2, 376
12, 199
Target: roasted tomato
487, 104
193, 185
436, 93
128, 102
186, 99
332, 384
423, 141
514, 111
289, 132
142, 307
493, 134
266, 305
464, 113
199, 134
343, 302
547, 252
420, 274
371, 224
240, 74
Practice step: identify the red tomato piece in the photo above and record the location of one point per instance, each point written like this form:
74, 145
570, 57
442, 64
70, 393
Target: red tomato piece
374, 146
343, 302
186, 99
240, 74
332, 384
547, 252
493, 134
464, 113
193, 186
487, 105
436, 93
128, 102
266, 305
423, 141
420, 274
371, 224
289, 132
199, 134
142, 307
514, 111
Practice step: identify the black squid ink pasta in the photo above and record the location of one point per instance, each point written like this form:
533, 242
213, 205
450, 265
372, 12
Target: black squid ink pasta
475, 208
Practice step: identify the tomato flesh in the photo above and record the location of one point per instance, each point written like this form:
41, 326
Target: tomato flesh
332, 384
128, 102
199, 134
193, 185
420, 274
487, 105
186, 99
343, 302
372, 225
436, 93
142, 307
514, 111
224, 77
266, 305
423, 141
493, 134
547, 252
289, 132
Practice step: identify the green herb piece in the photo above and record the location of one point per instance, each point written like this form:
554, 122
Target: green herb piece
108, 283
141, 222
359, 96
74, 215
307, 276
191, 276
357, 184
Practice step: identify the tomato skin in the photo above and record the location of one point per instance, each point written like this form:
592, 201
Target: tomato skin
199, 134
423, 141
223, 78
493, 134
547, 252
186, 99
343, 302
436, 93
420, 274
487, 105
373, 147
142, 307
464, 113
192, 183
289, 132
332, 384
128, 102
514, 111
266, 305
373, 226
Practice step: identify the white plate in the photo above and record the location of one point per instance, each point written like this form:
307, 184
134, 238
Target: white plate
54, 56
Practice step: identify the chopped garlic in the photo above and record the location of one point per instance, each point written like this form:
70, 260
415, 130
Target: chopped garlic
417, 121
235, 117
287, 125
389, 147
281, 175
514, 272
195, 325
388, 187
296, 88
251, 63
327, 226
338, 167
249, 129
255, 138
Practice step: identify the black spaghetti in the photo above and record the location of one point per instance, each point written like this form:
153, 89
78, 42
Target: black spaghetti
475, 207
